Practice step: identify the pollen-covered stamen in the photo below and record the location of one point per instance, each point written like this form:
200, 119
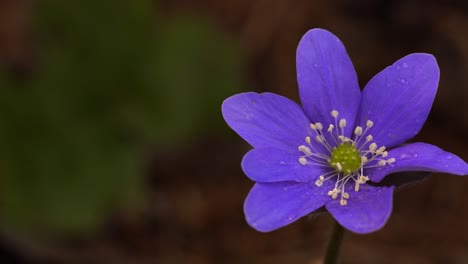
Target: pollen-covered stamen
347, 157
323, 178
369, 138
342, 125
320, 138
310, 157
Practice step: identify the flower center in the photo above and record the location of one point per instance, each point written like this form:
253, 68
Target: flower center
345, 158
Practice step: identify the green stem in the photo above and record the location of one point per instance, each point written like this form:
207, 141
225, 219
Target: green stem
334, 244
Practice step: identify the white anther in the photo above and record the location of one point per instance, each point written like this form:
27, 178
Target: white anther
384, 154
382, 163
330, 128
364, 159
334, 113
373, 147
321, 178
380, 150
345, 139
334, 195
338, 166
342, 123
345, 195
305, 150
343, 202
312, 126
358, 131
320, 139
369, 138
319, 126
390, 160
369, 123
302, 161
318, 183
356, 187
307, 139
363, 179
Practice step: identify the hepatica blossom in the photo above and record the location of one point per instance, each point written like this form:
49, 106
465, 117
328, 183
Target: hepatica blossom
329, 152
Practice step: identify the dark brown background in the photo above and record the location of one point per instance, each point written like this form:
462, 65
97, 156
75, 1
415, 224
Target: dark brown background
194, 212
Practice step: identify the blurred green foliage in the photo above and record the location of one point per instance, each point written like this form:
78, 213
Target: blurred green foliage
113, 77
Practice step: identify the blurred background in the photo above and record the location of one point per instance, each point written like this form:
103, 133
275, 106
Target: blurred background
113, 148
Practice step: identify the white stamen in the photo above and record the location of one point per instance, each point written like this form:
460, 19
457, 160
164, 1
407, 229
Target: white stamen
343, 163
380, 150
319, 126
318, 183
320, 139
358, 131
305, 150
364, 159
334, 113
302, 161
342, 123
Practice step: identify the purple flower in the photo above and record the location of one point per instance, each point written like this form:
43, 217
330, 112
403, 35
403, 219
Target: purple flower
326, 152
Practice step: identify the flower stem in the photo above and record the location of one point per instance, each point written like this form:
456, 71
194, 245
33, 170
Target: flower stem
334, 244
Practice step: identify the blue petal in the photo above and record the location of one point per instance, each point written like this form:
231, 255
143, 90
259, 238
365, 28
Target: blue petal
273, 165
420, 157
399, 98
270, 206
366, 211
266, 120
327, 79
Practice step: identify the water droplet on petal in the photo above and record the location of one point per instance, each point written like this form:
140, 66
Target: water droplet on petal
315, 65
405, 65
415, 155
402, 80
449, 157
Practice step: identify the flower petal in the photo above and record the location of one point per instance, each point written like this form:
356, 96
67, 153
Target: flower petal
420, 157
270, 206
327, 79
266, 120
366, 211
399, 98
273, 165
